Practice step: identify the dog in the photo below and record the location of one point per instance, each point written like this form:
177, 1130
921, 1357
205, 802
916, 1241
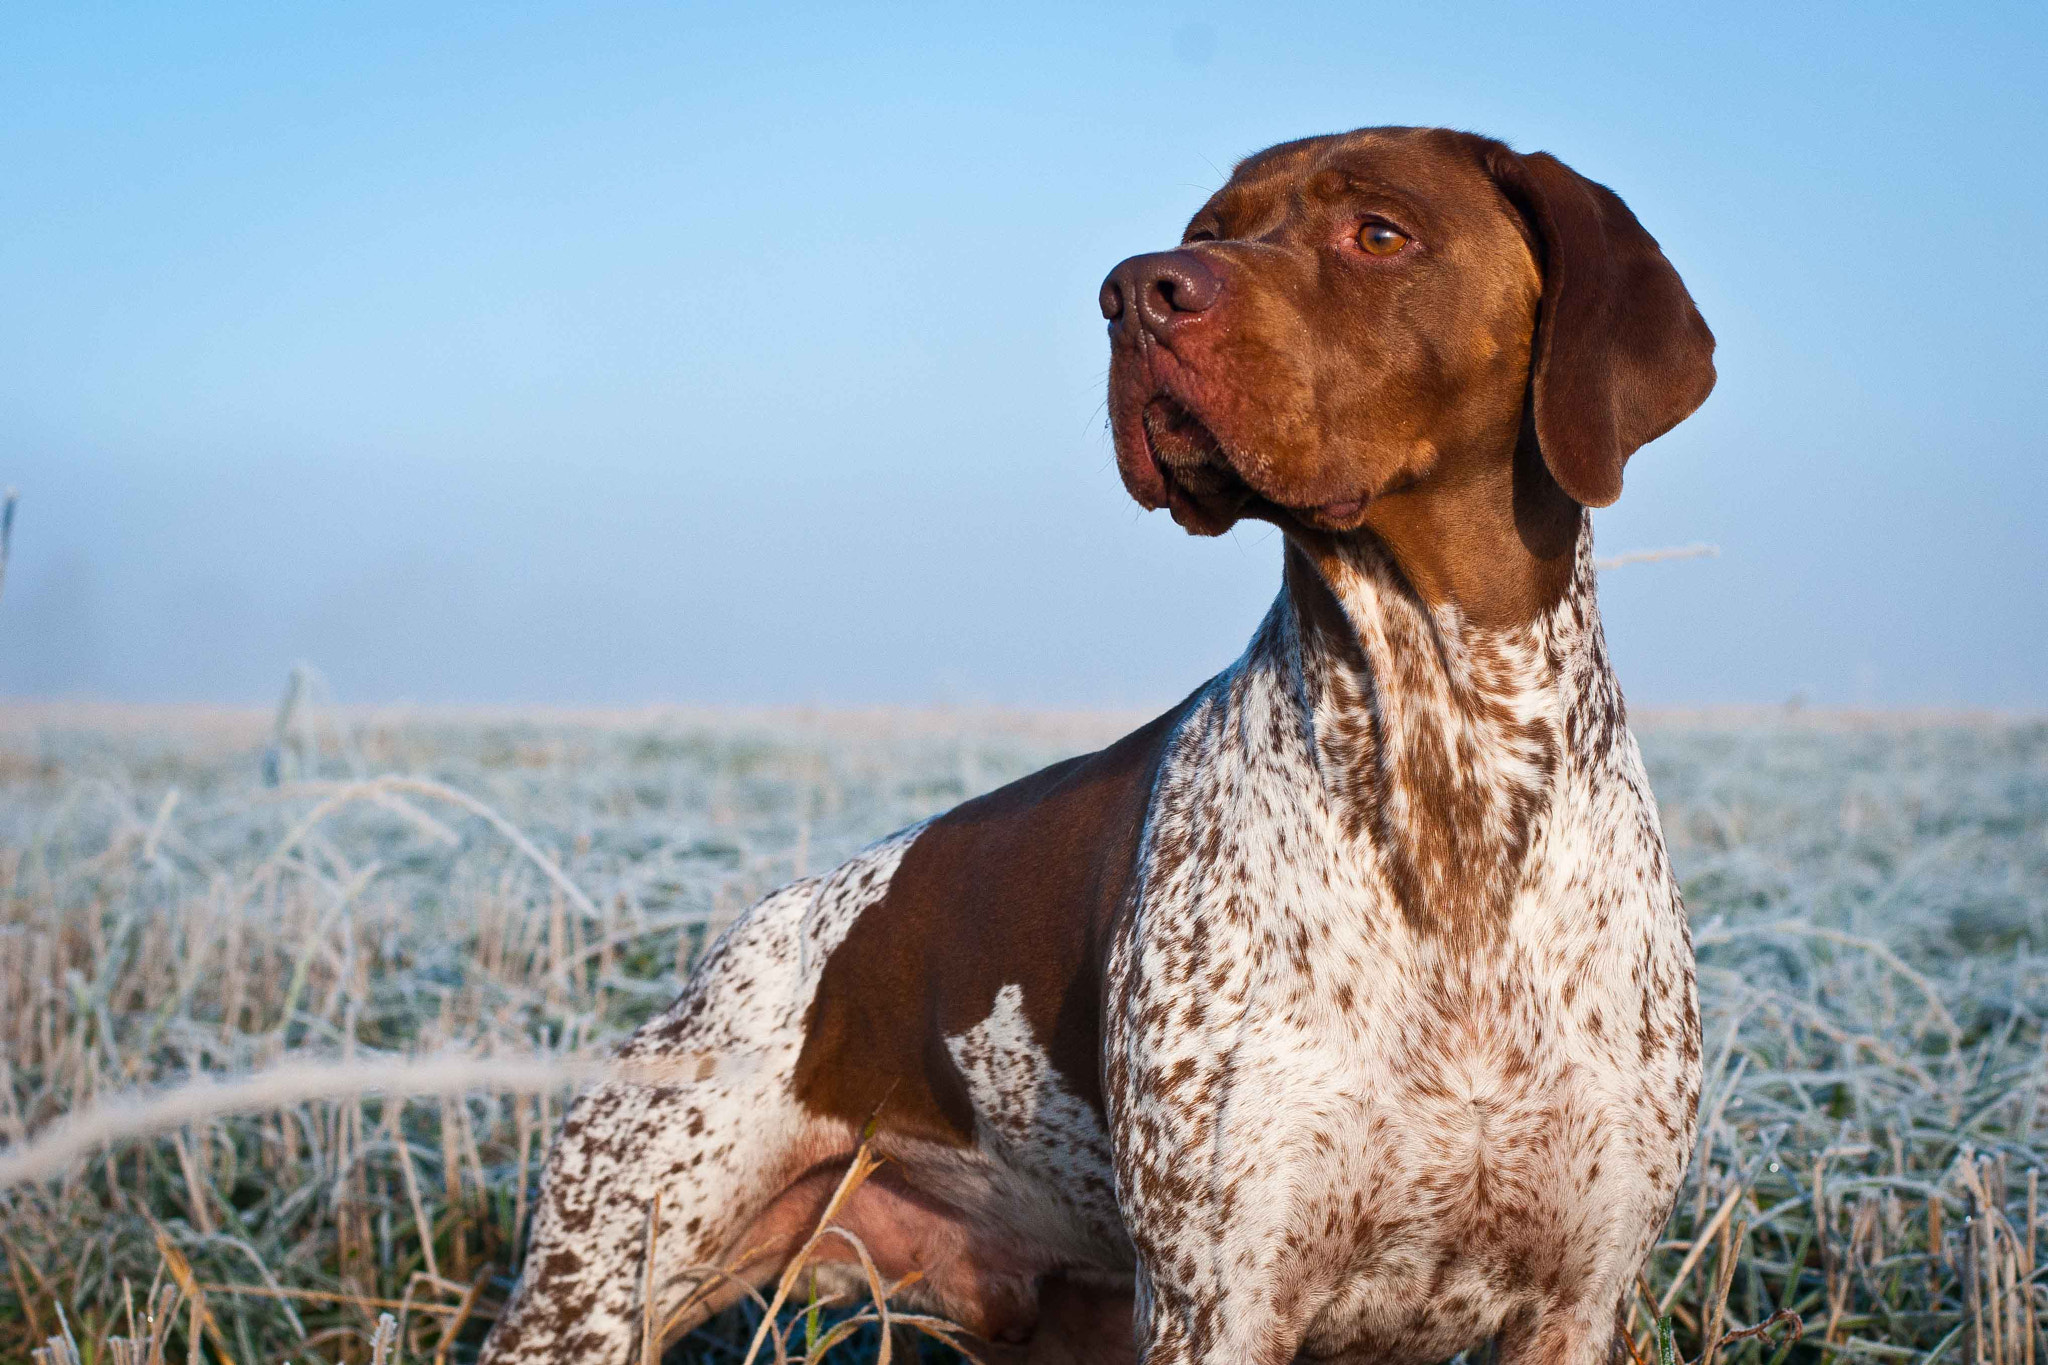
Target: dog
1345, 1011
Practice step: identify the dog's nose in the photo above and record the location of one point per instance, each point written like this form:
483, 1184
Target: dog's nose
1160, 291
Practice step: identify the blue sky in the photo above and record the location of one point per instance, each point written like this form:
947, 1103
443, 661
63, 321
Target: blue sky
621, 354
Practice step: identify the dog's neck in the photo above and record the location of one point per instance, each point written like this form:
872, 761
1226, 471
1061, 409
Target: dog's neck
1439, 738
1489, 532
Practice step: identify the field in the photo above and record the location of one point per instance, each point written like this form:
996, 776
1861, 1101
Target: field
496, 899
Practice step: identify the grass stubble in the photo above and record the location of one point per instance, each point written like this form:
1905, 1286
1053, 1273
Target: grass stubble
355, 964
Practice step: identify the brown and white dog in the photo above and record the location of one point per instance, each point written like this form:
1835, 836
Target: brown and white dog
1346, 1010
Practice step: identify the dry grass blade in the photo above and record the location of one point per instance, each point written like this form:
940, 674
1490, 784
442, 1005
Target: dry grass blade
7, 504
384, 1341
462, 1315
1784, 1317
1733, 1234
149, 1340
709, 1277
422, 1226
377, 789
878, 1294
264, 1291
1700, 1242
202, 1318
77, 1136
1797, 929
864, 1164
650, 1347
1695, 551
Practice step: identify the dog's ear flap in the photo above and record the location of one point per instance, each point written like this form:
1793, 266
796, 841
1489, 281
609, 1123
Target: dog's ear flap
1621, 355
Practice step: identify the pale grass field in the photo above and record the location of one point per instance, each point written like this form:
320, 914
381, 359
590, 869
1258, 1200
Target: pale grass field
496, 898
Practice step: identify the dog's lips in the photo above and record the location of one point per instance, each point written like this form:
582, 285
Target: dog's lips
1178, 439
1194, 475
1203, 489
1344, 515
1171, 456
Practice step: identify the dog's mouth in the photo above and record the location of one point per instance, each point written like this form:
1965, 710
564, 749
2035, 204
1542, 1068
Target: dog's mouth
1179, 439
1204, 490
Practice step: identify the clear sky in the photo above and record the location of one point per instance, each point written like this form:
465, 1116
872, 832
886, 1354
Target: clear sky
617, 354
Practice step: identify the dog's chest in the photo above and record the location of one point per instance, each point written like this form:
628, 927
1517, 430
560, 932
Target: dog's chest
1457, 1116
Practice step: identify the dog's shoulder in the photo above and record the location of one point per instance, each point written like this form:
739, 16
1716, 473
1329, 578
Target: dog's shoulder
1011, 890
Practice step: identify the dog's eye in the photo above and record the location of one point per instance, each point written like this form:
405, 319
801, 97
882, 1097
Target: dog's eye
1378, 239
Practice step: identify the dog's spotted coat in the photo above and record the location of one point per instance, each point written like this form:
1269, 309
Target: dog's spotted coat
1347, 1122
1339, 1122
1346, 1011
721, 1128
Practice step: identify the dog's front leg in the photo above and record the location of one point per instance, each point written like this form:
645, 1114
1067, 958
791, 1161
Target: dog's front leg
1213, 1321
703, 1149
700, 1116
1231, 1265
580, 1295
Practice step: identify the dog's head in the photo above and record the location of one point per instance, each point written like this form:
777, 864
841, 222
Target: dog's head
1358, 317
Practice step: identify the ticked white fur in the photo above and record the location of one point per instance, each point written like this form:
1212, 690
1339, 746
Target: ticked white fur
1338, 1121
1348, 1128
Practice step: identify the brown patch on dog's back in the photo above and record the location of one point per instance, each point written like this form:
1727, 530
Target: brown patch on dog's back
1018, 887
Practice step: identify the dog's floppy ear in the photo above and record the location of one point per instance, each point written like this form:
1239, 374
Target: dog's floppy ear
1621, 355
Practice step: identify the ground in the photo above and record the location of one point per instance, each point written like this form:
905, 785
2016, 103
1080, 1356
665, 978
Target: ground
187, 892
